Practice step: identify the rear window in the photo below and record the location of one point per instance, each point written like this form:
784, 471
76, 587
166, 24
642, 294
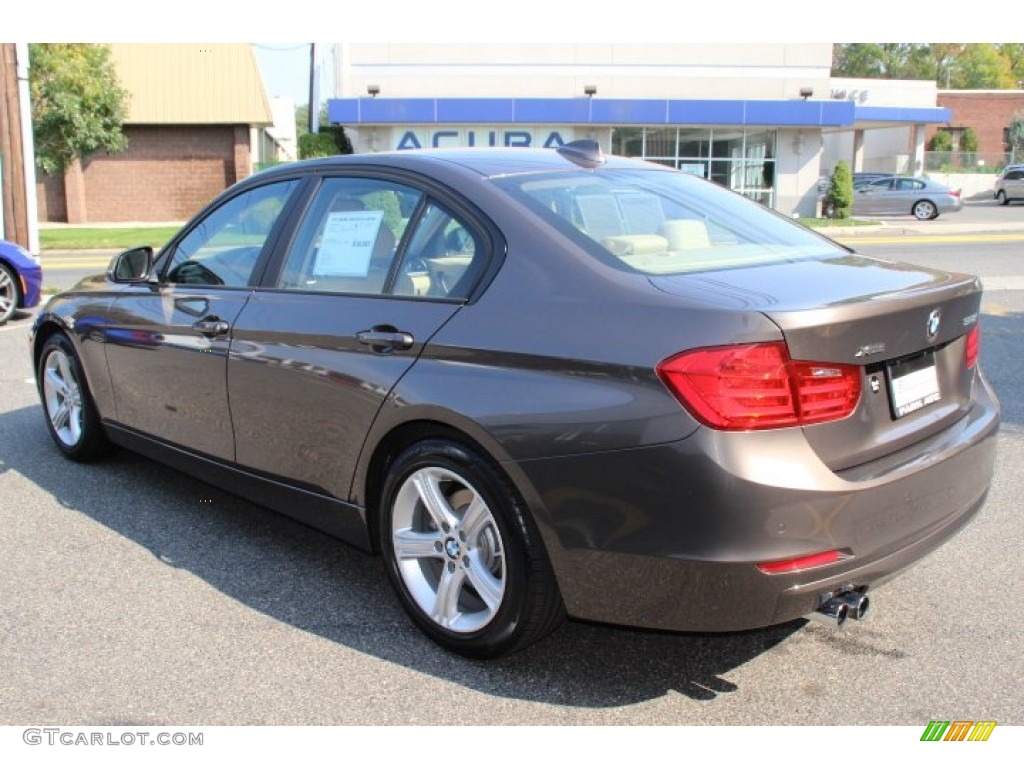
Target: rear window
661, 223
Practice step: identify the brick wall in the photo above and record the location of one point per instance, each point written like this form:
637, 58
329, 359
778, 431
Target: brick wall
167, 174
986, 112
50, 197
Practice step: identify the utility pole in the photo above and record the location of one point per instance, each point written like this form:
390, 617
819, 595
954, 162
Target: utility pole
16, 189
314, 88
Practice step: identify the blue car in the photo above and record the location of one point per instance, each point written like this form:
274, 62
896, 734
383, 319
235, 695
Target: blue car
21, 280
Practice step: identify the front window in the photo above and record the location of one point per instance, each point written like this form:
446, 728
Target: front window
662, 222
223, 248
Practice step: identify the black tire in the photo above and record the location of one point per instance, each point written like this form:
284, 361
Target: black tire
474, 577
10, 294
67, 403
924, 210
1002, 198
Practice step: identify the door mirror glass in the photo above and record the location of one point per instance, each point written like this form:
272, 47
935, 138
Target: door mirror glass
132, 266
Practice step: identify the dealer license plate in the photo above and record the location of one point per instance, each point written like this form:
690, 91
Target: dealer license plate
913, 384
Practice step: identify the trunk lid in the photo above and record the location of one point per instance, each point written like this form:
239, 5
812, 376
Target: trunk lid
904, 325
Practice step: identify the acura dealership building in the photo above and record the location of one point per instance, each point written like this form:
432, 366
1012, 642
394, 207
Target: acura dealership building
765, 120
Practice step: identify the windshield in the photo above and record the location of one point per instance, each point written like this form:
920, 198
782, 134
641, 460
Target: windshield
660, 223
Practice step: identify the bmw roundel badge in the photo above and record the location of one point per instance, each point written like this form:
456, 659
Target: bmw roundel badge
934, 319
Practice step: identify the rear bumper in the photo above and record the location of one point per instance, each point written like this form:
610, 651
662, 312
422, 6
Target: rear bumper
668, 536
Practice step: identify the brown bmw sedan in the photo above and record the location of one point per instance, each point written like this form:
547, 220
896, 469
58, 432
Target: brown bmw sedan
540, 383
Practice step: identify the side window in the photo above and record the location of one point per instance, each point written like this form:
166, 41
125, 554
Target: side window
223, 248
348, 237
438, 257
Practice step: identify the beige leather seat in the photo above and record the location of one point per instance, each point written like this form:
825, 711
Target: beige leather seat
685, 234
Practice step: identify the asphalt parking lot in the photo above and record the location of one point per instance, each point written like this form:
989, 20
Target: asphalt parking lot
136, 595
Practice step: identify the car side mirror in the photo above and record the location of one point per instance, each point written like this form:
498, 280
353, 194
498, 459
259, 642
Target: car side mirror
132, 266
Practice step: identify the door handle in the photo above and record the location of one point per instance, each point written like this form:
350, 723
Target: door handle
385, 339
211, 326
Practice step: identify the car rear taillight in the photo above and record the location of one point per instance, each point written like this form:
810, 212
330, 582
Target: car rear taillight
758, 386
954, 193
973, 345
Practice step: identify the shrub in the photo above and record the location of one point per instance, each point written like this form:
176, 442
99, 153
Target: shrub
317, 145
941, 142
839, 200
969, 140
331, 140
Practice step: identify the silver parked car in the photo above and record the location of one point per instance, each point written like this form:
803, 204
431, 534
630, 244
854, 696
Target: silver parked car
1010, 184
542, 382
901, 195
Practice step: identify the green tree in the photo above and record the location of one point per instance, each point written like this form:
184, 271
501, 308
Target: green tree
77, 105
1014, 55
954, 65
980, 65
839, 200
886, 60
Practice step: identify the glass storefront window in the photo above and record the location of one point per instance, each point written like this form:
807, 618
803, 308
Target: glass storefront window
741, 160
694, 142
628, 142
660, 142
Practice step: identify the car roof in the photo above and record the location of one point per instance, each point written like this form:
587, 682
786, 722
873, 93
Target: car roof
485, 161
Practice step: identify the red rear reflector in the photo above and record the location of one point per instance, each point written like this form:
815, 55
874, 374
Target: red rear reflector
758, 386
973, 345
800, 563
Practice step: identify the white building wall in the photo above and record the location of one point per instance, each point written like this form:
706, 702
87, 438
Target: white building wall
685, 70
796, 175
888, 150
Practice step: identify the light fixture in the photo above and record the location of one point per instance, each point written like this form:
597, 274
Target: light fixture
806, 93
590, 90
373, 90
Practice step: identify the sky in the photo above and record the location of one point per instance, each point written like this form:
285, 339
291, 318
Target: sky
285, 70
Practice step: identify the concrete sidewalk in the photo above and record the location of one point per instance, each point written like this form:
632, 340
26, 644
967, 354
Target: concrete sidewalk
914, 228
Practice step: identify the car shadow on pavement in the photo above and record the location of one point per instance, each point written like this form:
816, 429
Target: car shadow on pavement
1003, 363
319, 585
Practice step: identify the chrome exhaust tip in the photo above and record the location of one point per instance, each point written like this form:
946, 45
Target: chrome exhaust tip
833, 611
856, 604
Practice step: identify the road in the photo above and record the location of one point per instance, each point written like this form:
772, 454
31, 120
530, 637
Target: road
136, 595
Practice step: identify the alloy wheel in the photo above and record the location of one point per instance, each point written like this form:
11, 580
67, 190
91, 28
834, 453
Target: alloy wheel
449, 550
924, 210
62, 397
8, 295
